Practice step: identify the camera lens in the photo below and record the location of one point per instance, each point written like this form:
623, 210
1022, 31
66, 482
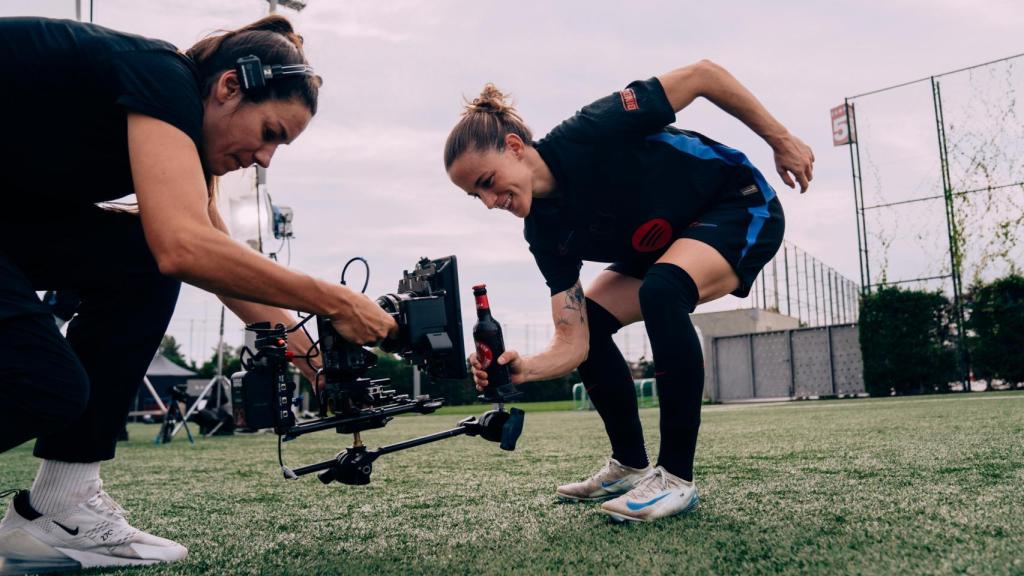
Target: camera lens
391, 303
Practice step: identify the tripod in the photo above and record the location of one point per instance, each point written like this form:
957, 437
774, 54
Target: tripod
219, 380
173, 420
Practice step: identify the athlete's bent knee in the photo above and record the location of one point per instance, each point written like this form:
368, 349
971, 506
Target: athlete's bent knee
665, 287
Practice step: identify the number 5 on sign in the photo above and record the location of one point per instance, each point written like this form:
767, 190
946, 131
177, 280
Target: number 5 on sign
841, 125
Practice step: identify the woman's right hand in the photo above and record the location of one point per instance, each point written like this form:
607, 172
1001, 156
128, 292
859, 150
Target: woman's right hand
793, 160
363, 321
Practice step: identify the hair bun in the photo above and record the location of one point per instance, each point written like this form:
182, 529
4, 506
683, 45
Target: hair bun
490, 101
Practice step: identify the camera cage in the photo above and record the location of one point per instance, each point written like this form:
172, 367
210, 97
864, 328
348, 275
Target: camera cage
427, 309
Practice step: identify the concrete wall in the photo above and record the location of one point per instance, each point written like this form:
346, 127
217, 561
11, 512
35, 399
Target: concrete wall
712, 325
803, 363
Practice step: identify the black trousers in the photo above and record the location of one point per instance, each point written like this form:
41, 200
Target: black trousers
74, 394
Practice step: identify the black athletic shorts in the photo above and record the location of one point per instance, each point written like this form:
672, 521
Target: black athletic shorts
748, 238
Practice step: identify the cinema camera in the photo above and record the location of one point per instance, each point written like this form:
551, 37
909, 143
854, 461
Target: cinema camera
427, 311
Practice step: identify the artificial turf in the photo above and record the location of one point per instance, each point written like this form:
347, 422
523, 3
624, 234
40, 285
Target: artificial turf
921, 485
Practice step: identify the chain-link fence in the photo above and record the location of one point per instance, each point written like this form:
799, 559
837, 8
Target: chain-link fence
938, 173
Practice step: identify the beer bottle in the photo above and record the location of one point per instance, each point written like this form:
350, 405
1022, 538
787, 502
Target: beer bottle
489, 347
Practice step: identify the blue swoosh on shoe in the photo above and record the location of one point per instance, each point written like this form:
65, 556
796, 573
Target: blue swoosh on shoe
634, 506
607, 485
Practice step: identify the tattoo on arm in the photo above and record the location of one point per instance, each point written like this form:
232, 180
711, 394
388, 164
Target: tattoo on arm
574, 302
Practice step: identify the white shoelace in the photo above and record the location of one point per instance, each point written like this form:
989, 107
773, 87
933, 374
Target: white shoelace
122, 532
606, 471
103, 503
651, 484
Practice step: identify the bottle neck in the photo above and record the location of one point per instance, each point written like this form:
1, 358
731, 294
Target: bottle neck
483, 307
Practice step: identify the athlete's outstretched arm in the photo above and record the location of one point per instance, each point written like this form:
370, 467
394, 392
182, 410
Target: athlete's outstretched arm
793, 158
567, 350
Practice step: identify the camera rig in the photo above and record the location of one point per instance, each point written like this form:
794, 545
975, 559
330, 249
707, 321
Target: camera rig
427, 310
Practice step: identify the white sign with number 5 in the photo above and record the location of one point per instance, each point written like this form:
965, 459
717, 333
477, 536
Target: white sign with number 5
841, 125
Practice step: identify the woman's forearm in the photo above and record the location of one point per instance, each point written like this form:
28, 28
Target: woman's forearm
560, 358
207, 258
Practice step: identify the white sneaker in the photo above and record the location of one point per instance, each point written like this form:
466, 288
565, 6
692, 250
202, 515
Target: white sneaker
610, 481
657, 495
91, 534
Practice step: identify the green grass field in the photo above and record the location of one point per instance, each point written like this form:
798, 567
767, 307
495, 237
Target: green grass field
924, 485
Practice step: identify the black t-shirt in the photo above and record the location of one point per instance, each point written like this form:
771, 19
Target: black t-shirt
68, 87
627, 183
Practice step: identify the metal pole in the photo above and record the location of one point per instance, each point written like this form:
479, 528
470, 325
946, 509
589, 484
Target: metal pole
955, 252
785, 264
796, 276
807, 291
775, 281
856, 197
764, 293
858, 182
814, 275
841, 287
831, 298
220, 357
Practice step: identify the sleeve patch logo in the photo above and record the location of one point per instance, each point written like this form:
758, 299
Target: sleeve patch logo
629, 100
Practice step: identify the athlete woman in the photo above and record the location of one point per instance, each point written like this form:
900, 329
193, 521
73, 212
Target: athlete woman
683, 219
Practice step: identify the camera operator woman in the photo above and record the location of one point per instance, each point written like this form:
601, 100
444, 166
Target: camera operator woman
94, 115
683, 219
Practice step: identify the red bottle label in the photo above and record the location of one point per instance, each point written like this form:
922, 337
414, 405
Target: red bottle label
481, 302
484, 355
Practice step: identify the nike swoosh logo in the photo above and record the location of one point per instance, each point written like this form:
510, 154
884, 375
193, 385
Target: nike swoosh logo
610, 484
66, 529
634, 506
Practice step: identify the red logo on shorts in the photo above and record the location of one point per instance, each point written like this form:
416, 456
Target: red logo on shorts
652, 235
629, 100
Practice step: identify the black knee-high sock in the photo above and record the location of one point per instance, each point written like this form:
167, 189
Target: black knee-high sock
610, 387
667, 297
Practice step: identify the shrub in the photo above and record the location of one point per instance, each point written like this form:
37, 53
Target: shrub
996, 322
906, 342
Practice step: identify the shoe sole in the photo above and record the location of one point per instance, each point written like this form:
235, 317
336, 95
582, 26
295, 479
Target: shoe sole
19, 546
10, 567
24, 553
567, 498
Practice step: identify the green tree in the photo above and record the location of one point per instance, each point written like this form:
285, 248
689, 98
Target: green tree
996, 322
906, 342
232, 363
170, 348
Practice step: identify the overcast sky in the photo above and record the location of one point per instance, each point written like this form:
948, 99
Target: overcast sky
366, 179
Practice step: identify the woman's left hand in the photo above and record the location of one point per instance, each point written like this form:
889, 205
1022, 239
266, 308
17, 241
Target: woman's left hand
794, 159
